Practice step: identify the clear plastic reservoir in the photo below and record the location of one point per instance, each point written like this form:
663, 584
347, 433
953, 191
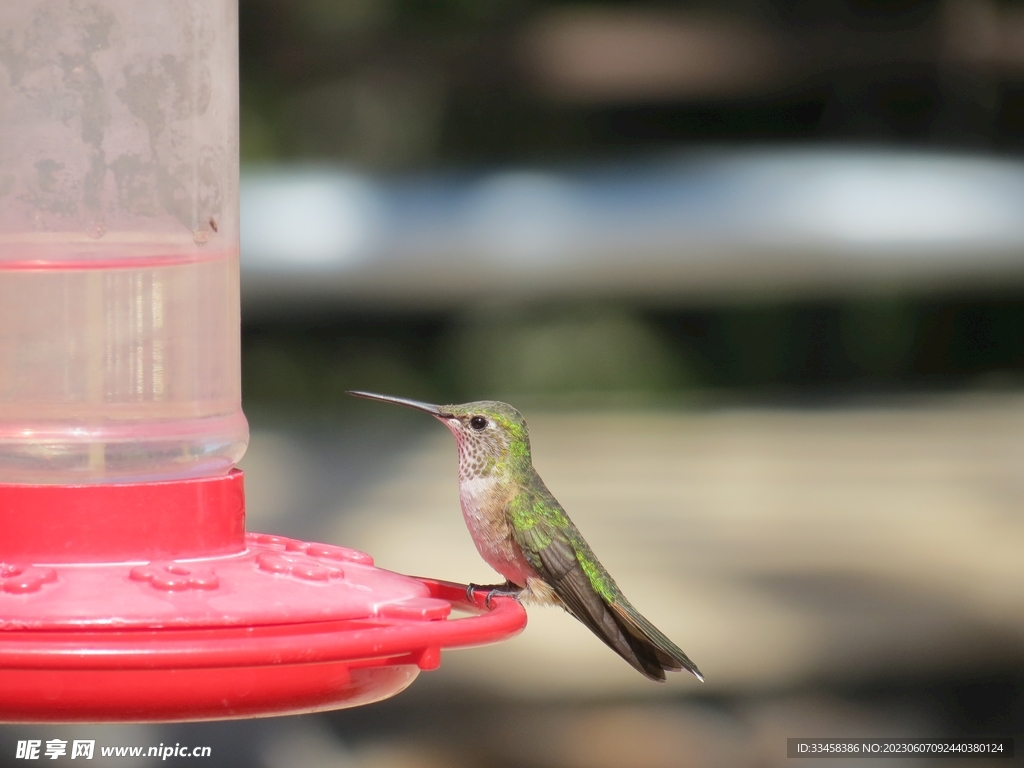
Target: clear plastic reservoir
119, 310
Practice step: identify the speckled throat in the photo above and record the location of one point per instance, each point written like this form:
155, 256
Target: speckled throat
481, 455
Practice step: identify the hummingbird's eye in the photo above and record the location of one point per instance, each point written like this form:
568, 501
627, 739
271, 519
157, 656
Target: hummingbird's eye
478, 423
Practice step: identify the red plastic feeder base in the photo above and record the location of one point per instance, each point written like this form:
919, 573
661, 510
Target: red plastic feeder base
148, 602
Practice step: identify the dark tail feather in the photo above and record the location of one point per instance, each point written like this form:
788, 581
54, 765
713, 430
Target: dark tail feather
655, 653
634, 639
614, 620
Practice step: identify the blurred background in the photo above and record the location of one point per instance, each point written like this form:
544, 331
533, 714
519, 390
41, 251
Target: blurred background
753, 270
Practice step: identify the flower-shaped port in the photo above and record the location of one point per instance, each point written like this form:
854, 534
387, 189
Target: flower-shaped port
319, 551
174, 577
19, 579
300, 567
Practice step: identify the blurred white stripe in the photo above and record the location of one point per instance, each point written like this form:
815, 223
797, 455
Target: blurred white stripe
699, 223
302, 220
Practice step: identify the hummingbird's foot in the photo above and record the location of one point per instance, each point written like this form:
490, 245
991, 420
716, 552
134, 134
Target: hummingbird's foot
515, 592
508, 589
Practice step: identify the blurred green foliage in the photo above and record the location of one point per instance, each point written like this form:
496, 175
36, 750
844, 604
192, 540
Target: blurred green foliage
614, 353
562, 350
878, 335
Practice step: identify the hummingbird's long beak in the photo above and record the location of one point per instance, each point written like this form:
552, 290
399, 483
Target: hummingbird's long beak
433, 410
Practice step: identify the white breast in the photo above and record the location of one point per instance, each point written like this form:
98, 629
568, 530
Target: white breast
490, 529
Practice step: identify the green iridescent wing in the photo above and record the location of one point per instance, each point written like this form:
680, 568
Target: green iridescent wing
556, 550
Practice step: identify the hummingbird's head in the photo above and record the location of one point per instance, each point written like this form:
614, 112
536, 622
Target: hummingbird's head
492, 436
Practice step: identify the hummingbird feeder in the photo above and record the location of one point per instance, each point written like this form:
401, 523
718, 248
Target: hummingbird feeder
129, 589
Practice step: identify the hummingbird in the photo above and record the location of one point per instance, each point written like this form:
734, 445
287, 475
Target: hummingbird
523, 533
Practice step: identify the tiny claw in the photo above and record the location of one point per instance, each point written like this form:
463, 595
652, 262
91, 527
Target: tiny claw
501, 593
